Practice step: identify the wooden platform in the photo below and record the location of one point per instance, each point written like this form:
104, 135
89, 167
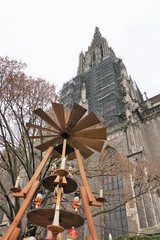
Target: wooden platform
44, 217
49, 184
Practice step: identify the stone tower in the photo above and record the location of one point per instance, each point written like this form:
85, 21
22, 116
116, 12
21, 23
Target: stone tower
106, 81
133, 127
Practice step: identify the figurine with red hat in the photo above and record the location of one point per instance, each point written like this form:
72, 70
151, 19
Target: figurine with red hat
38, 200
72, 234
76, 203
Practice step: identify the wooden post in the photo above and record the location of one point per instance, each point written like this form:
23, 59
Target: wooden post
55, 228
56, 215
15, 233
89, 237
63, 158
88, 214
37, 173
92, 199
59, 190
87, 198
11, 232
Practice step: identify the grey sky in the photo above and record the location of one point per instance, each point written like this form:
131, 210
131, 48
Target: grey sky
48, 36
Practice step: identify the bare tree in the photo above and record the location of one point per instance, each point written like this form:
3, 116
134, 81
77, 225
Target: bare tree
19, 96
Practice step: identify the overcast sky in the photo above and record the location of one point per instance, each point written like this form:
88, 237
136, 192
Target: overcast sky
48, 36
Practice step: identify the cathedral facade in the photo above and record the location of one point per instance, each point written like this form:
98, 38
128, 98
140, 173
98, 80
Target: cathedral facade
102, 85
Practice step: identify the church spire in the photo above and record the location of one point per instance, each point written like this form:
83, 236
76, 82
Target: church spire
96, 38
97, 51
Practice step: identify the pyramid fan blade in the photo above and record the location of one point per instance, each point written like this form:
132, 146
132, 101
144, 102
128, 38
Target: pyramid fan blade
90, 120
42, 136
59, 148
76, 114
44, 146
91, 143
55, 154
30, 125
71, 156
95, 133
67, 113
59, 111
85, 151
39, 112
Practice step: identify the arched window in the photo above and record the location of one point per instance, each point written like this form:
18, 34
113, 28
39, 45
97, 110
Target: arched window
94, 57
101, 52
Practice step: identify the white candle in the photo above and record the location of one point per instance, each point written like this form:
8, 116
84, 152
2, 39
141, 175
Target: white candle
110, 236
17, 182
101, 192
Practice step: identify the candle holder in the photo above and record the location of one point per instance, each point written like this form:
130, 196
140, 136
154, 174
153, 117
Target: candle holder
17, 187
101, 198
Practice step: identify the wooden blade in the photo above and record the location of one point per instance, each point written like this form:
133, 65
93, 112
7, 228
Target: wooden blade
90, 120
42, 136
55, 154
59, 148
76, 114
71, 156
30, 125
95, 133
67, 113
91, 143
39, 112
44, 146
85, 151
59, 111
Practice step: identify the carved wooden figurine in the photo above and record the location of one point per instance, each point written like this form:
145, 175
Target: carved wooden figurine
76, 203
38, 200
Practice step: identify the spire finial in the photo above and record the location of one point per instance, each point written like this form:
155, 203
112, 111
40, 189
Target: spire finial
97, 36
97, 30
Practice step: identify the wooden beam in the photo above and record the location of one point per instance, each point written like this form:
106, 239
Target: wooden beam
90, 222
36, 175
89, 237
10, 234
15, 233
92, 199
